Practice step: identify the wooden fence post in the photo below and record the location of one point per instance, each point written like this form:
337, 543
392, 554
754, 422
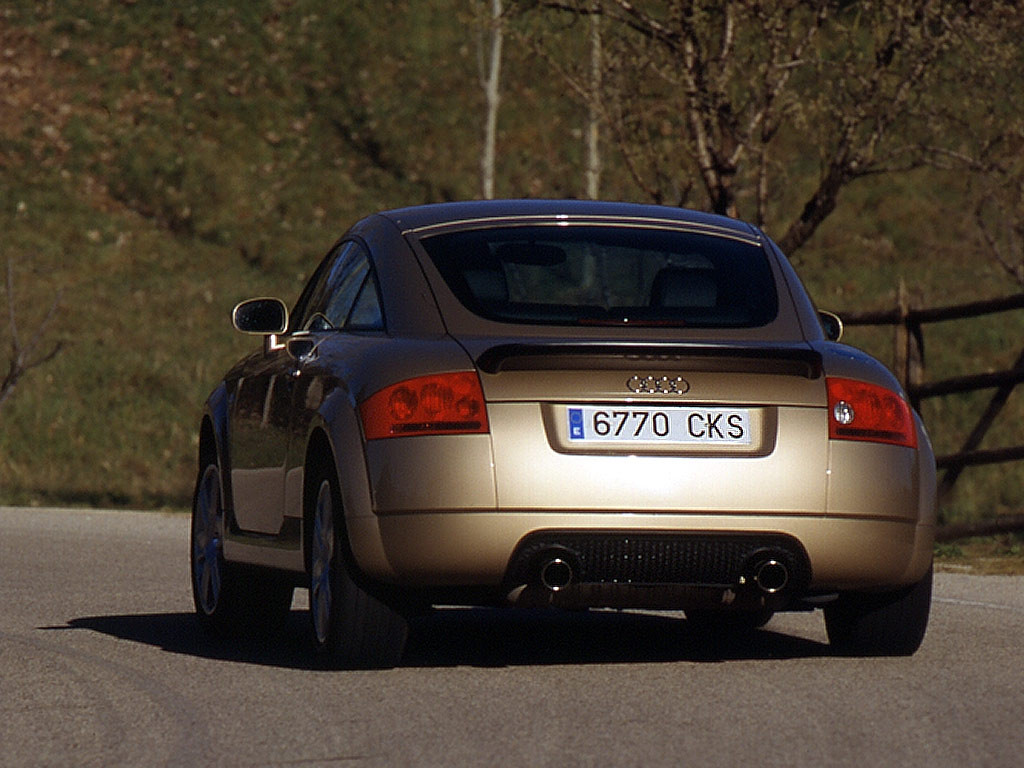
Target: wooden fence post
901, 335
908, 346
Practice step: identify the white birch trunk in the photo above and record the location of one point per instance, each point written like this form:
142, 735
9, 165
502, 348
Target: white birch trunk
593, 132
491, 79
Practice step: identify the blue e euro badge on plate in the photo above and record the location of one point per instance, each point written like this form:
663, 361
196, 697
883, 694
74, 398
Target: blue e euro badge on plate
575, 423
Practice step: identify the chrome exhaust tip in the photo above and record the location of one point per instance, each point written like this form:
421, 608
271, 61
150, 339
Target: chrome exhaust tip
771, 576
556, 574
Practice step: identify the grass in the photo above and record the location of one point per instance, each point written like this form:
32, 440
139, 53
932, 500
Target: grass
161, 162
988, 555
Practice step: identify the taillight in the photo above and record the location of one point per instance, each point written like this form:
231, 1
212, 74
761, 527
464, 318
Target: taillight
442, 404
861, 411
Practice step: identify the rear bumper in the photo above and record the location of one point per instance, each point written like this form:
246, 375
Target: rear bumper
474, 549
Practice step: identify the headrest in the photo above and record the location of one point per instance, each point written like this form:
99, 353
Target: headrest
488, 286
684, 287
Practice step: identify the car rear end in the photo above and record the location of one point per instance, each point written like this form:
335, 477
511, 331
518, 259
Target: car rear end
646, 416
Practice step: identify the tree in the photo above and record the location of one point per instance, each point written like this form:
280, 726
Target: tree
490, 79
593, 129
995, 148
24, 356
999, 216
705, 99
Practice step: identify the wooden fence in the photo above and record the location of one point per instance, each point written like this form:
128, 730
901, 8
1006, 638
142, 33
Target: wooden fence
908, 323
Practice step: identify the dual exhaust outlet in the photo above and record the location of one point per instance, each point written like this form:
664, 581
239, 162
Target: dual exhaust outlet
770, 574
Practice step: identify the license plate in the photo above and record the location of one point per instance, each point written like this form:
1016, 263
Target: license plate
672, 425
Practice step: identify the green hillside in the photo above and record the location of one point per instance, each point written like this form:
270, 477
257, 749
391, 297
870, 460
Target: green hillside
161, 161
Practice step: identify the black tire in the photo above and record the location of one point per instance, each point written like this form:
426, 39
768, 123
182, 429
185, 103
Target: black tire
266, 602
352, 629
214, 590
888, 624
228, 599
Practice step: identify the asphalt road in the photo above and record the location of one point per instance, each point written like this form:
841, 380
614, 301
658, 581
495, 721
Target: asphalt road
100, 664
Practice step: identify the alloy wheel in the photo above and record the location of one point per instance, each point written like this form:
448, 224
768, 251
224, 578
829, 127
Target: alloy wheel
207, 541
320, 598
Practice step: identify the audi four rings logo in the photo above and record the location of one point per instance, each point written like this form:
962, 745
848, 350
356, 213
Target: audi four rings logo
663, 385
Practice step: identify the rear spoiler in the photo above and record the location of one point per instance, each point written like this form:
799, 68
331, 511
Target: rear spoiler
788, 360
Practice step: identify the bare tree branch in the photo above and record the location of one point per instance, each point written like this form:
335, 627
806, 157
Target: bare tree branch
870, 87
999, 217
24, 357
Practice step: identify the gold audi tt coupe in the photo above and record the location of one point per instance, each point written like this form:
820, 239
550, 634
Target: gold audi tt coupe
559, 403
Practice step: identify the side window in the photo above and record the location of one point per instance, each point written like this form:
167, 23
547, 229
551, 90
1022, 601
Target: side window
343, 289
366, 314
299, 316
347, 295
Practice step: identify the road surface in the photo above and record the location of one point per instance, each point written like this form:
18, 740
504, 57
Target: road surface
100, 665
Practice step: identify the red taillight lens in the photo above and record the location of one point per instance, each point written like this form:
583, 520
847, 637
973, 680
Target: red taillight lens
443, 404
861, 411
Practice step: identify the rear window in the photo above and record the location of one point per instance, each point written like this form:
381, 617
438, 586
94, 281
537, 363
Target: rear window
594, 275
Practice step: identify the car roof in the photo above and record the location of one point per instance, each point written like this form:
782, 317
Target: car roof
420, 217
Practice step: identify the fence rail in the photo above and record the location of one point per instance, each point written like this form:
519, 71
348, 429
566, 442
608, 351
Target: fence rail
909, 366
934, 314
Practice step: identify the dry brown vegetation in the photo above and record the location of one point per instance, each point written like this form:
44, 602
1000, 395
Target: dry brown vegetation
162, 161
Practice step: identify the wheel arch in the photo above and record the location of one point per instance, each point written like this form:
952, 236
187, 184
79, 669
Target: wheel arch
319, 457
209, 451
213, 441
366, 554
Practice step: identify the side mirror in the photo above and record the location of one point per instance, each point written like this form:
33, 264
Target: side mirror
260, 316
831, 325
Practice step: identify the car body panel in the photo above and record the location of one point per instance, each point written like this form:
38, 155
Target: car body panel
258, 440
431, 472
409, 306
603, 378
872, 480
452, 548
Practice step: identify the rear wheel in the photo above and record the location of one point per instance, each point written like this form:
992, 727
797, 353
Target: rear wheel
228, 599
352, 629
888, 624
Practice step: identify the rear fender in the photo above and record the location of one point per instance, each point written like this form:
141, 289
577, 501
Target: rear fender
927, 516
337, 422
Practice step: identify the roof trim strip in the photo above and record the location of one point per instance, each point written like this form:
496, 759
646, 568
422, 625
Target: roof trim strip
590, 220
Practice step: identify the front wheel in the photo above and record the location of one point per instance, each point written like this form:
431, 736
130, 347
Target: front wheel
889, 624
352, 629
227, 598
214, 592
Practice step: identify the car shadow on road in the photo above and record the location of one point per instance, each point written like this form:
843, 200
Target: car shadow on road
479, 637
285, 646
